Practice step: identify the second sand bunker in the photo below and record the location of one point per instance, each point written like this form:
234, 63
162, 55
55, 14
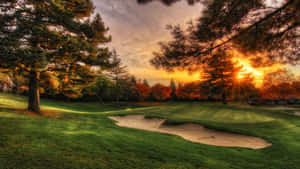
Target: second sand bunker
192, 132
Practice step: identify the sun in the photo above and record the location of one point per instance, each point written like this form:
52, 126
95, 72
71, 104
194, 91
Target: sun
247, 69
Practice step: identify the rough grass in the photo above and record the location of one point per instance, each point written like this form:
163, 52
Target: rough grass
83, 137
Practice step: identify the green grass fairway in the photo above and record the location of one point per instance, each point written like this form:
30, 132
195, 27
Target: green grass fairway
82, 137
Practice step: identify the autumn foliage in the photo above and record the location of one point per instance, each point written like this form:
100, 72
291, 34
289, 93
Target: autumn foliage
282, 90
190, 91
161, 92
142, 91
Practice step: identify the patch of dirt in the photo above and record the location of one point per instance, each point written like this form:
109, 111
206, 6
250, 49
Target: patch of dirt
192, 132
48, 113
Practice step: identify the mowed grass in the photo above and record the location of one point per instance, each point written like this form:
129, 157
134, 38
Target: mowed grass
82, 137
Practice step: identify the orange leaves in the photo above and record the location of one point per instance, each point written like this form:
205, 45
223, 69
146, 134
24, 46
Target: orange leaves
190, 91
281, 90
161, 93
66, 79
142, 91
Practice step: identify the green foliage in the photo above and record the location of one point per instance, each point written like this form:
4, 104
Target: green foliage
102, 89
58, 39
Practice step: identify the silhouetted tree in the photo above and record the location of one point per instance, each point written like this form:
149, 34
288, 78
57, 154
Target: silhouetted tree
133, 80
244, 89
145, 82
173, 87
251, 26
219, 73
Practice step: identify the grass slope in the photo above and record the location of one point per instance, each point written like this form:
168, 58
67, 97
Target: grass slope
83, 137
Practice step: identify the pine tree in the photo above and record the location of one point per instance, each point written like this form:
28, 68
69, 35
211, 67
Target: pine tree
133, 80
119, 75
145, 82
173, 87
220, 73
56, 37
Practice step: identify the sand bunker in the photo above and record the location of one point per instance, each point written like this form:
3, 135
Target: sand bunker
192, 132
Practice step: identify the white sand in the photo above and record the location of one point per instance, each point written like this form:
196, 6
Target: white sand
192, 132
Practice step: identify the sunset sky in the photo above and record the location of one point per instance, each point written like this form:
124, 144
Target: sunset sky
137, 29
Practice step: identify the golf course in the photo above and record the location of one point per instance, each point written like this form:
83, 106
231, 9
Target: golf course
81, 135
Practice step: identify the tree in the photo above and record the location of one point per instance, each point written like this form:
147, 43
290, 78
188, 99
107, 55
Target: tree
252, 26
143, 91
133, 80
102, 89
190, 91
145, 82
119, 75
244, 89
57, 37
268, 33
161, 92
220, 73
173, 87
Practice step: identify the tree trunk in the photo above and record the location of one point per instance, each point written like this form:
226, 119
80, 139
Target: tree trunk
34, 93
224, 98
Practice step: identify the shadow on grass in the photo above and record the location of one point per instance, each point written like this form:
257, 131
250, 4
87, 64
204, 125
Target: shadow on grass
20, 111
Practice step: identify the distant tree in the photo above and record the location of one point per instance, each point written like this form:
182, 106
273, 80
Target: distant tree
119, 75
296, 86
173, 87
179, 85
244, 89
190, 91
133, 80
145, 82
143, 91
161, 92
57, 37
280, 90
102, 89
278, 76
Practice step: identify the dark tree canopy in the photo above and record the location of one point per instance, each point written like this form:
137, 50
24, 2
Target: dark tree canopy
55, 37
250, 26
219, 74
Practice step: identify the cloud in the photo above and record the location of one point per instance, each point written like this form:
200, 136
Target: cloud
137, 29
